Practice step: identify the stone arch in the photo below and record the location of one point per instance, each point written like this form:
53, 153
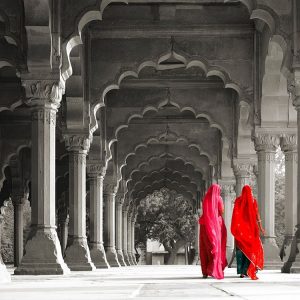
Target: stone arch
168, 156
206, 115
145, 145
8, 156
202, 63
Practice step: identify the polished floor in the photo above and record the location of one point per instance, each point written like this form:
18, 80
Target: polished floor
151, 282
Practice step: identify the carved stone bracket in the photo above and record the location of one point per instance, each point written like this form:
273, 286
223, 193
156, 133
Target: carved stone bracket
110, 188
77, 142
242, 168
95, 168
293, 87
266, 142
47, 91
288, 142
120, 198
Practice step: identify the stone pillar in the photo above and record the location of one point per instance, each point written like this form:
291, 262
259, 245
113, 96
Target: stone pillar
4, 275
43, 252
77, 254
119, 230
96, 173
133, 220
196, 258
109, 225
64, 226
266, 145
125, 234
293, 263
129, 237
289, 146
18, 229
242, 171
228, 196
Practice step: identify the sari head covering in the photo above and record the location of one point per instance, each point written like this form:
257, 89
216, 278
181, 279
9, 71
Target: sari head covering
245, 229
215, 229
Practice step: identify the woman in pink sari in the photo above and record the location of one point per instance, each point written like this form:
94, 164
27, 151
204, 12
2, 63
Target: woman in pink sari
213, 235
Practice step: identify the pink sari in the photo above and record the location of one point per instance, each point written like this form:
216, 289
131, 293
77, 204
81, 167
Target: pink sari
213, 234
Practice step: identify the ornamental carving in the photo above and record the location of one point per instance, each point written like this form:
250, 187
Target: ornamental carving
293, 87
95, 169
109, 188
77, 142
266, 142
48, 90
44, 115
288, 142
120, 198
242, 169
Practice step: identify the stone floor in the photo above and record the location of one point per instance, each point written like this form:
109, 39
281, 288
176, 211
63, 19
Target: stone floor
151, 282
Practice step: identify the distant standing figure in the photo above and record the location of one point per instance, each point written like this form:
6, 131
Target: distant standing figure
245, 227
213, 234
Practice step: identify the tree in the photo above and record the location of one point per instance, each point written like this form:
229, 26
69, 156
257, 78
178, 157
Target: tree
168, 218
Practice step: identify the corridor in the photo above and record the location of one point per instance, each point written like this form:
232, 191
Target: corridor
151, 282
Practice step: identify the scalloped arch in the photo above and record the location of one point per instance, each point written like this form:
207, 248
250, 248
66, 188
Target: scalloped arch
7, 161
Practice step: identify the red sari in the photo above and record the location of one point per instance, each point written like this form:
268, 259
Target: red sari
245, 230
213, 235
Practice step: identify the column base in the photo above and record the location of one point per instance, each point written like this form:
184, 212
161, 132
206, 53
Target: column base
271, 253
98, 256
121, 258
130, 258
126, 258
290, 254
42, 254
77, 255
134, 259
4, 275
111, 256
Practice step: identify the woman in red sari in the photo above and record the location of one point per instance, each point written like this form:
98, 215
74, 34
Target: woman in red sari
213, 235
245, 227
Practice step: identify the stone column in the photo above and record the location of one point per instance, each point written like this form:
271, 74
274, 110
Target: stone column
96, 173
43, 252
119, 229
77, 254
18, 203
266, 145
129, 237
293, 263
125, 234
289, 146
196, 258
228, 196
64, 226
4, 275
133, 220
109, 225
242, 171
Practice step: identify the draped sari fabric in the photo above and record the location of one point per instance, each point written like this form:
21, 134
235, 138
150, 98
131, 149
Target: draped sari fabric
212, 240
245, 230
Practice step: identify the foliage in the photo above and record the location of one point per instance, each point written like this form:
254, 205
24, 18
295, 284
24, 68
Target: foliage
166, 217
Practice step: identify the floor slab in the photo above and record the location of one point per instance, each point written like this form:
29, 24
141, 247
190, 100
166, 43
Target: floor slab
151, 282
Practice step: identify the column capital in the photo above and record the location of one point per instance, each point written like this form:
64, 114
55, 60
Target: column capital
95, 168
288, 142
77, 142
110, 188
120, 198
227, 187
266, 142
43, 92
293, 87
242, 168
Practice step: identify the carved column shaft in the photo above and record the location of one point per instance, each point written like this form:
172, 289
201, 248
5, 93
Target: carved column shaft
133, 219
4, 275
242, 173
289, 147
125, 234
119, 230
43, 252
96, 174
228, 196
77, 254
266, 145
109, 224
129, 237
